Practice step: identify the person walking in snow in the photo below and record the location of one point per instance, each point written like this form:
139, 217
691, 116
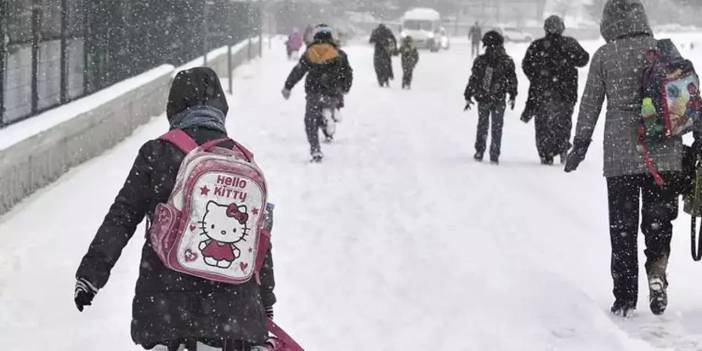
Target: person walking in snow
170, 308
294, 43
409, 57
551, 66
475, 35
385, 48
329, 78
616, 73
493, 78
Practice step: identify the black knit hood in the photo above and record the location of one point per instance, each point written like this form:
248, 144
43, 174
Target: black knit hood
197, 86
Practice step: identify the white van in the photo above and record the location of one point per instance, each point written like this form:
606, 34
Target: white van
423, 25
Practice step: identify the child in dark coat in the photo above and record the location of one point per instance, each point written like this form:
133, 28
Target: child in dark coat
409, 57
171, 308
493, 77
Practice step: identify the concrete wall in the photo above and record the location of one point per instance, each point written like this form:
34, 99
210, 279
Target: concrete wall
38, 160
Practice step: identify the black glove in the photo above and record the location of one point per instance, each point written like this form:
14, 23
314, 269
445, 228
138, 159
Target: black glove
512, 102
84, 294
576, 154
469, 103
269, 312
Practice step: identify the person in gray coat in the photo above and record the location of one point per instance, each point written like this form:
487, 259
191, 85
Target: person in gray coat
615, 73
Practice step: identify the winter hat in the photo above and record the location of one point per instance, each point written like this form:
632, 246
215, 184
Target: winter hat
323, 32
197, 86
554, 25
622, 18
493, 39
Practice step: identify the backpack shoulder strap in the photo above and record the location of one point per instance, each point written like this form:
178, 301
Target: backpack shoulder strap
248, 154
180, 139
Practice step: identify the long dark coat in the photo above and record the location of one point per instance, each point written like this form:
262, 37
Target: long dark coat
551, 66
385, 46
169, 305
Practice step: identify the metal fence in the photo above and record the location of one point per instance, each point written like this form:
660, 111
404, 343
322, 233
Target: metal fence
54, 51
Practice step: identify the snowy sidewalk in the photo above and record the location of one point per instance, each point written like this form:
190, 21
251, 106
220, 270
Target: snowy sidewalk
398, 241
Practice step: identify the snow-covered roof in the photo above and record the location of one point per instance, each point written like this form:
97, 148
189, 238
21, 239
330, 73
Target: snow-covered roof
422, 14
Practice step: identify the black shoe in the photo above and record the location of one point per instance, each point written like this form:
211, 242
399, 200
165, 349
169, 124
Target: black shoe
564, 157
547, 160
495, 160
478, 156
317, 157
658, 298
623, 308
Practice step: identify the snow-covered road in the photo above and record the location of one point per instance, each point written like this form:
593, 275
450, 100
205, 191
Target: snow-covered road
398, 241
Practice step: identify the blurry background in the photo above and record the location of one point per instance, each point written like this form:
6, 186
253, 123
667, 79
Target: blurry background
54, 51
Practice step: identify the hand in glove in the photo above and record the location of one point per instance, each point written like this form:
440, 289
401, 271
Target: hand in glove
469, 104
269, 312
511, 102
286, 93
84, 293
576, 154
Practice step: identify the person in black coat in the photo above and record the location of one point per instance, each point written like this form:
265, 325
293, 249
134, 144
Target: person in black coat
171, 308
409, 57
385, 46
475, 35
493, 77
329, 78
551, 66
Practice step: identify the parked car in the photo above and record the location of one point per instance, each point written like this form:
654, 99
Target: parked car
514, 34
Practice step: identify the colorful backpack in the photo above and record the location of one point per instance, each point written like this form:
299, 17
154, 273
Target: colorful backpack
671, 99
213, 224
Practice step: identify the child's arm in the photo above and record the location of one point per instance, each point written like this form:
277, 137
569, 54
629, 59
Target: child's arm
268, 284
297, 73
530, 64
474, 80
127, 211
575, 54
512, 82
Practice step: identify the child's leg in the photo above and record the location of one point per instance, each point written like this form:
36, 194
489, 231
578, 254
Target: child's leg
483, 124
313, 114
498, 113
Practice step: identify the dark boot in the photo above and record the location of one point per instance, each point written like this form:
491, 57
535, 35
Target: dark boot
657, 285
478, 156
623, 308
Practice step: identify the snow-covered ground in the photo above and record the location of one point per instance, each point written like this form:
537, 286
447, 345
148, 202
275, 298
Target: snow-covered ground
398, 241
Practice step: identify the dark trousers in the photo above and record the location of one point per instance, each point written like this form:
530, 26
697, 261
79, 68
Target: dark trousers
407, 76
314, 118
486, 110
659, 208
553, 123
383, 67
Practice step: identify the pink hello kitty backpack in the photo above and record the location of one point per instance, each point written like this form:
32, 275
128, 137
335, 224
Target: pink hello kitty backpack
213, 223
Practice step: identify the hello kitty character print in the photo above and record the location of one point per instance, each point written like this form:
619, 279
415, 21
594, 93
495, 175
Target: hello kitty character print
212, 225
223, 226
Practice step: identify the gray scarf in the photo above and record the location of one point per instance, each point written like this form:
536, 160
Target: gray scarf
199, 116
